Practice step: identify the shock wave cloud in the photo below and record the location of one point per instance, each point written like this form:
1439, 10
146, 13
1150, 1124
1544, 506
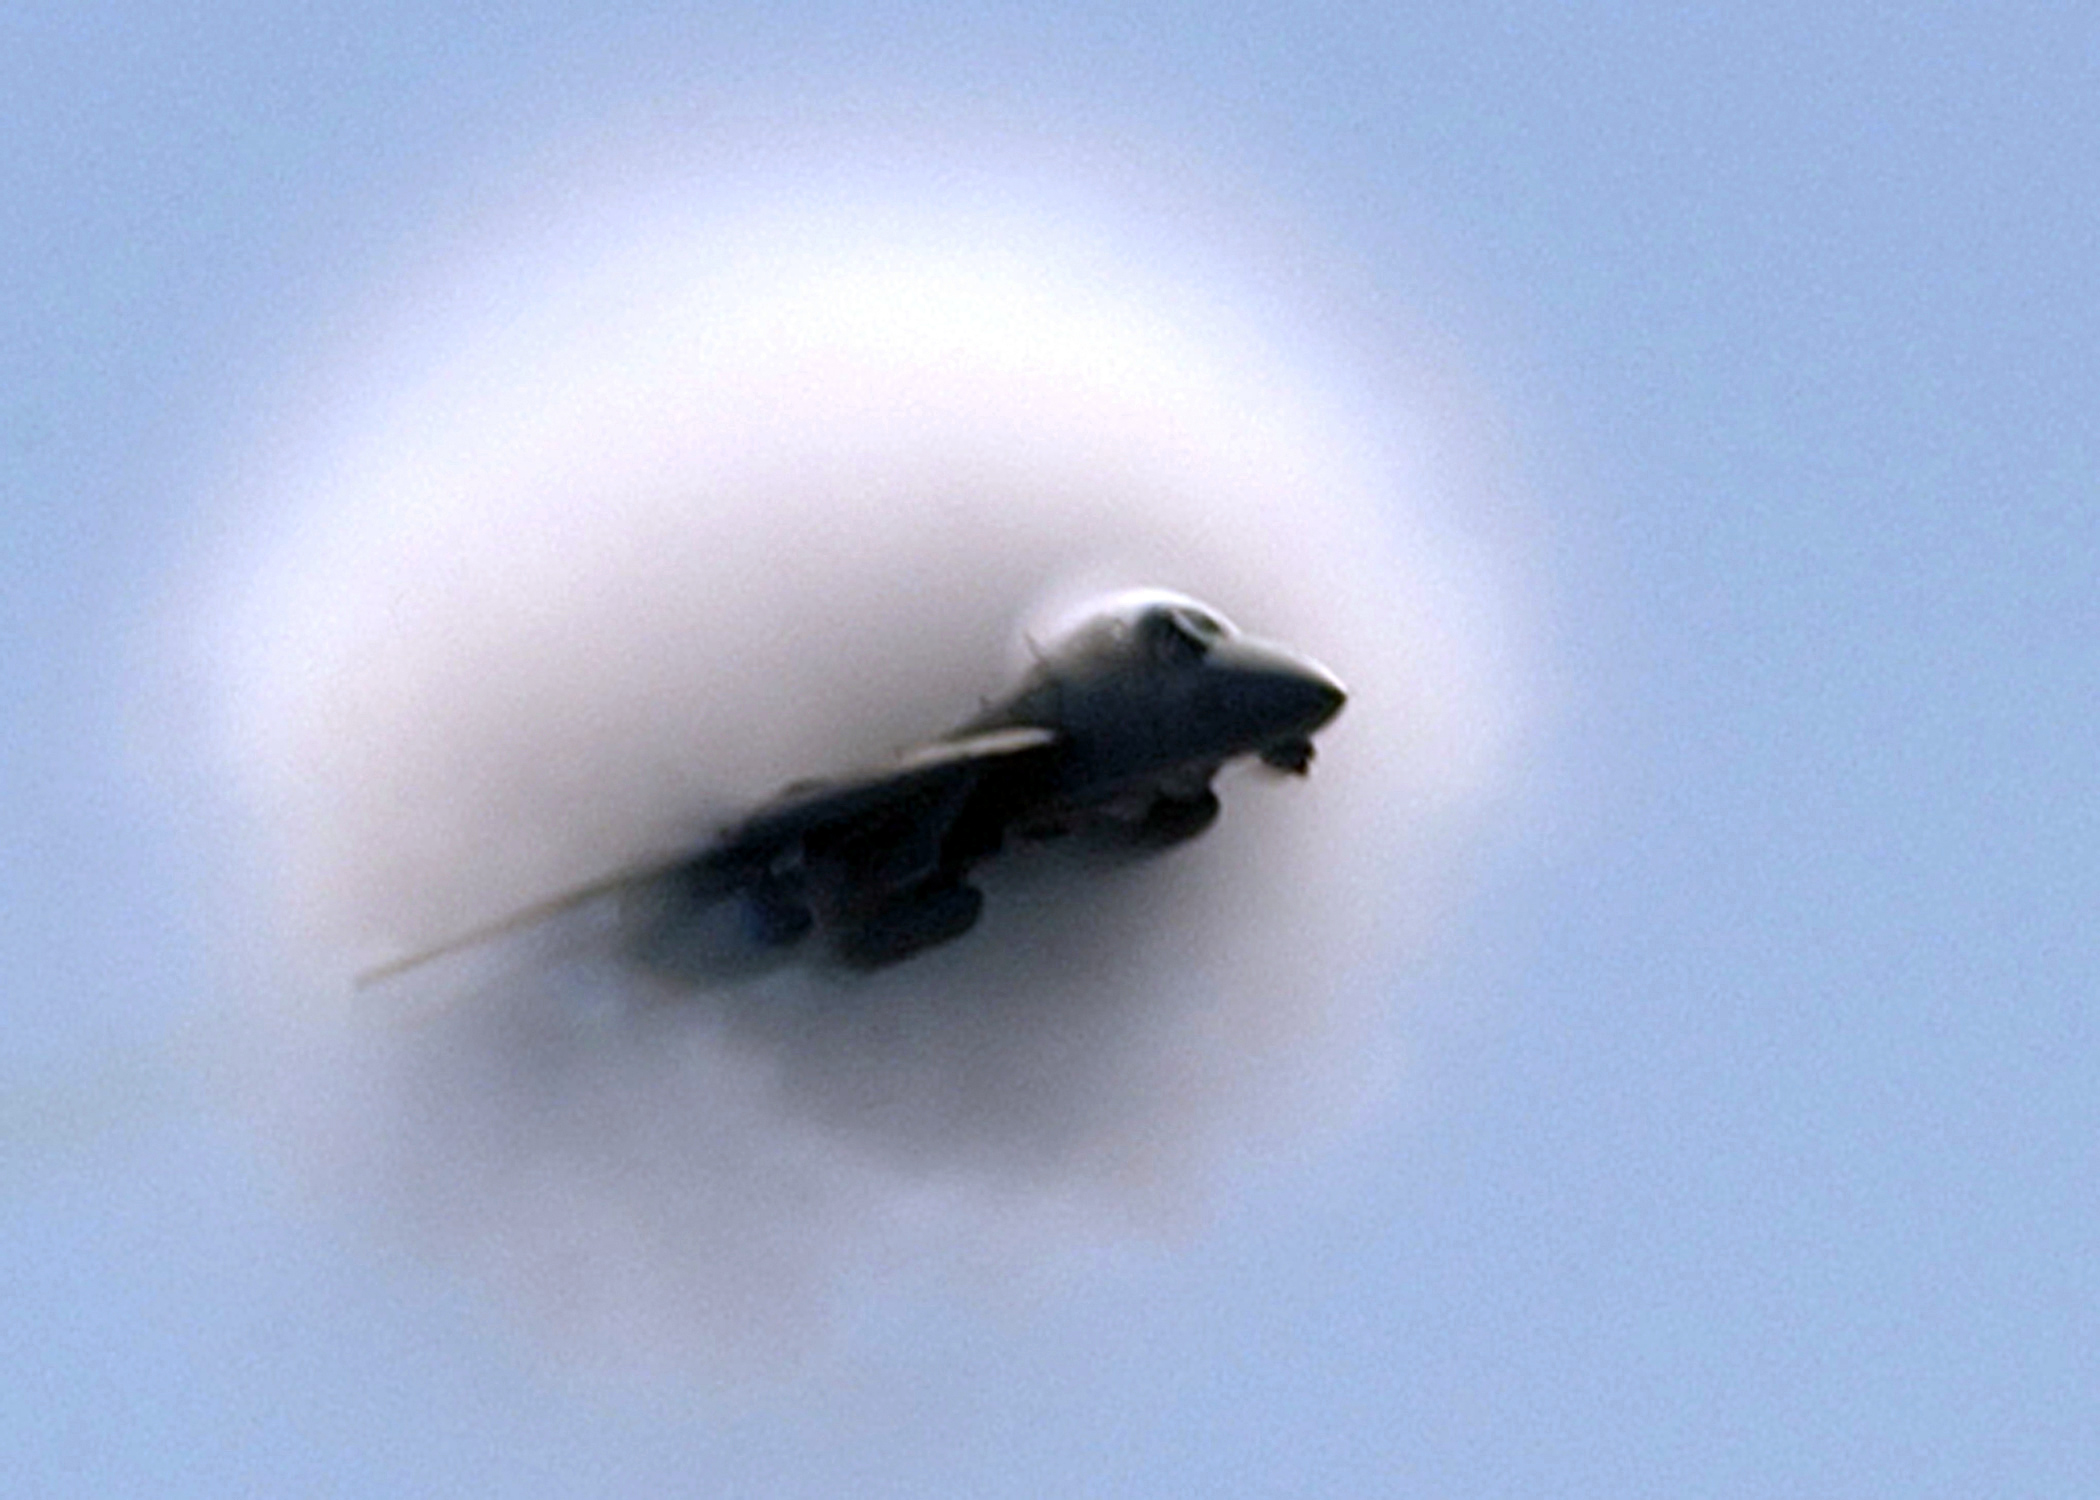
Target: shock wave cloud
632, 520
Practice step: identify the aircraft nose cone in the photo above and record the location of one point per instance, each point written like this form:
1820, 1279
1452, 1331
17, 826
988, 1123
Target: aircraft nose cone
1268, 693
1308, 696
1303, 699
1325, 693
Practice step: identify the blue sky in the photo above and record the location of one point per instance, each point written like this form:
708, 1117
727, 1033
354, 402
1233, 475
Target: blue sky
1749, 1134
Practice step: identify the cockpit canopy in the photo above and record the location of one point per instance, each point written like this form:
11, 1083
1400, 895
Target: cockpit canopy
1175, 633
1170, 628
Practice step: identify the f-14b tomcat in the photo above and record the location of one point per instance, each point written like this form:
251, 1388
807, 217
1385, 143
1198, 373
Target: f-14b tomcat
1114, 734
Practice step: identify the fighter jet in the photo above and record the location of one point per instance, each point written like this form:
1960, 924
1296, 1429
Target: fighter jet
1113, 736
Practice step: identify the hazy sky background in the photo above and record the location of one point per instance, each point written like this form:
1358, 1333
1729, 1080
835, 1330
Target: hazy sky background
1748, 1134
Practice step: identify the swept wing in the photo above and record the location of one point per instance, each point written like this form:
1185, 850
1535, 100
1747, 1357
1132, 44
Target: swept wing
876, 857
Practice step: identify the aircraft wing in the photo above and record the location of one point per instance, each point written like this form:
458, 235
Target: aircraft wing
917, 798
883, 827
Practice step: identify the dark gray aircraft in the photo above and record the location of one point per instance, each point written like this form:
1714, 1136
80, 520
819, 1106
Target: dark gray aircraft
1113, 736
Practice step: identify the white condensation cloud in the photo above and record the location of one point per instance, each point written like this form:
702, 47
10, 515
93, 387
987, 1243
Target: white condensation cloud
621, 530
